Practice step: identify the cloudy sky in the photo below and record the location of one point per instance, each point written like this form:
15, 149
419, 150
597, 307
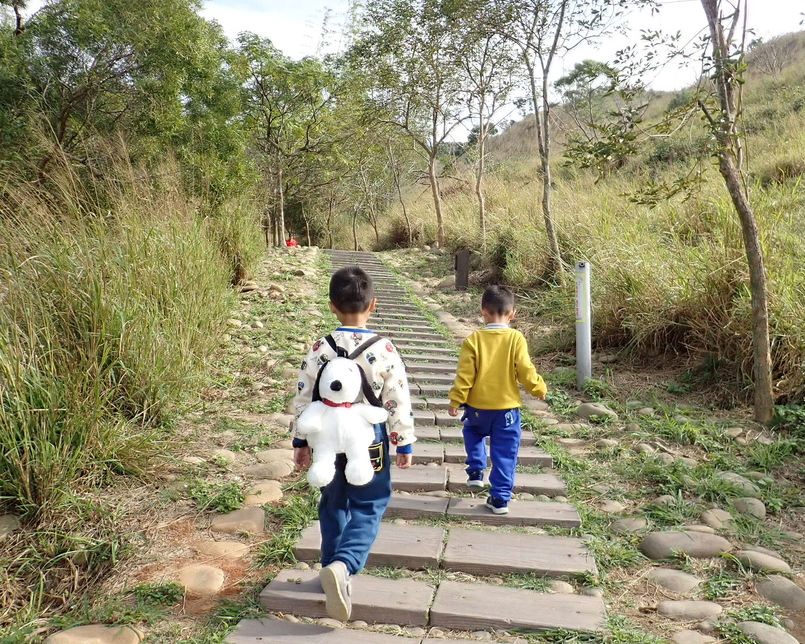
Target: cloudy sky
296, 26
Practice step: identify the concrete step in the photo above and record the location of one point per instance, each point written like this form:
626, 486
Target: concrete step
422, 377
430, 367
533, 513
526, 455
427, 478
438, 404
415, 506
520, 513
425, 433
454, 433
406, 348
500, 553
439, 453
443, 418
547, 484
423, 417
434, 389
457, 605
374, 599
477, 552
402, 326
414, 547
278, 631
419, 478
425, 453
391, 315
412, 357
421, 336
479, 606
386, 320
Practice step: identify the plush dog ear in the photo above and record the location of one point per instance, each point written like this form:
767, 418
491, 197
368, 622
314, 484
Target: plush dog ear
316, 395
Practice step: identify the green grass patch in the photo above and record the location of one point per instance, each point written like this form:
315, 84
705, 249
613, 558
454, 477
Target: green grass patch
297, 513
217, 497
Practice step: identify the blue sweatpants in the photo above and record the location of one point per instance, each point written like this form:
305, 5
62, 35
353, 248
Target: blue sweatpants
502, 426
350, 515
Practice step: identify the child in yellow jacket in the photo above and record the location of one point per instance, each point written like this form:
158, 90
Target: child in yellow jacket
491, 363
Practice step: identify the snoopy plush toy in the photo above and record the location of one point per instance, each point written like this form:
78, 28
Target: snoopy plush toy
337, 424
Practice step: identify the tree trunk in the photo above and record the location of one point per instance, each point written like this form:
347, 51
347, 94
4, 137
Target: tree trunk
307, 227
764, 396
330, 204
555, 266
396, 174
729, 158
373, 222
281, 222
18, 17
437, 200
543, 145
479, 176
355, 227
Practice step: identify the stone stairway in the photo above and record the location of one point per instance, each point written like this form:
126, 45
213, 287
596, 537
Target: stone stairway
436, 523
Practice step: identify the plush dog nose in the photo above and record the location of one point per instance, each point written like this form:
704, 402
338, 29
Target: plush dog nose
335, 385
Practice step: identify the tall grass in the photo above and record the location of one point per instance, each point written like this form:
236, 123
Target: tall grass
113, 293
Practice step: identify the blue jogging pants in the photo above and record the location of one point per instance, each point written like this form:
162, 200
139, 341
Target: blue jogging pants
502, 426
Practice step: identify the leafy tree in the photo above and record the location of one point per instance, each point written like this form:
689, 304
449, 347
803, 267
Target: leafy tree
487, 62
727, 65
718, 99
407, 49
88, 70
545, 30
287, 107
17, 6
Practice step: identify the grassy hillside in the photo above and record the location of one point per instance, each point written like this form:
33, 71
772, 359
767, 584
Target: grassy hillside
669, 278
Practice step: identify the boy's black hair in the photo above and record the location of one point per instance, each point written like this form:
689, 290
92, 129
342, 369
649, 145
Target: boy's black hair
351, 289
498, 299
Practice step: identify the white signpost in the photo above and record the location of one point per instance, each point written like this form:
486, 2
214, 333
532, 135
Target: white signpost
584, 342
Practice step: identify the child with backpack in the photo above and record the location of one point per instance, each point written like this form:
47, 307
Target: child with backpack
350, 515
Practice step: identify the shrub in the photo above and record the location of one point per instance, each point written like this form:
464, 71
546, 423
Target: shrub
107, 322
780, 171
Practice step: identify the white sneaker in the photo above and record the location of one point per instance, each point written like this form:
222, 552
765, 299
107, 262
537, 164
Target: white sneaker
335, 581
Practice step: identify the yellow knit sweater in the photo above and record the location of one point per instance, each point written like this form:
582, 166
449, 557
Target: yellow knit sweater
491, 363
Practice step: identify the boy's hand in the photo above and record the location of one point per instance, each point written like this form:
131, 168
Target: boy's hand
301, 458
453, 411
404, 461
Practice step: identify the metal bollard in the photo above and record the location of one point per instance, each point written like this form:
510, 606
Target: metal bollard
584, 342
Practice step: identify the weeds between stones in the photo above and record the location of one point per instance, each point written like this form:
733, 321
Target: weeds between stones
220, 497
295, 514
728, 628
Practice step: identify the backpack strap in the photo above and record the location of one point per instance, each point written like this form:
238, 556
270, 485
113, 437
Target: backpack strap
360, 349
366, 388
340, 352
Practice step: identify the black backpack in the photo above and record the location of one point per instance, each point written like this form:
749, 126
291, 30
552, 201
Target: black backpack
366, 388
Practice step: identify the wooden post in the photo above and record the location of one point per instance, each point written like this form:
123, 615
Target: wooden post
462, 267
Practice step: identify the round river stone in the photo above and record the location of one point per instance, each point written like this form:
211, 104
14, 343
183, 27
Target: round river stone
674, 580
761, 562
782, 591
765, 634
688, 610
96, 634
661, 545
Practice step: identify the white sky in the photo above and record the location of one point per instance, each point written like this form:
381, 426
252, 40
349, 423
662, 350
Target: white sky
295, 27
